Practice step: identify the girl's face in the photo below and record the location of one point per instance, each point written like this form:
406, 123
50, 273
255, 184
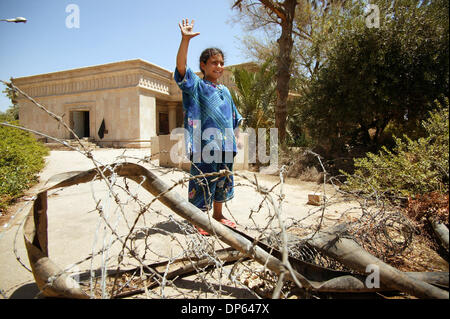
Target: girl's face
213, 68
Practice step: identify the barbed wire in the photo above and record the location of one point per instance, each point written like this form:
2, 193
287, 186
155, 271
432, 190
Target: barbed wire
376, 226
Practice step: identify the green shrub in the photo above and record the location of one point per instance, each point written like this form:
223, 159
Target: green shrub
21, 159
412, 167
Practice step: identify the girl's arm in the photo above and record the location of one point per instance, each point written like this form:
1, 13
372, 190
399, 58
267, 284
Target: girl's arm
187, 34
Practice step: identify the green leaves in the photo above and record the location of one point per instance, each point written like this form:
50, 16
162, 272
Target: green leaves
413, 166
376, 78
255, 96
21, 158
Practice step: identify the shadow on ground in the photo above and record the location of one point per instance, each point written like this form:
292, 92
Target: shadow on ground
28, 291
234, 292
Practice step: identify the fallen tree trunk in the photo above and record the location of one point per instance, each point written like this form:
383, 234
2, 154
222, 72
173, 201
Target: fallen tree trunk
328, 280
441, 232
349, 253
340, 284
52, 281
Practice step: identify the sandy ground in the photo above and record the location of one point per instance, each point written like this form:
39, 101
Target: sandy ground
76, 231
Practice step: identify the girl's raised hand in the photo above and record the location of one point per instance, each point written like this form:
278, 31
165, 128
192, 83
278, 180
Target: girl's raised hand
187, 30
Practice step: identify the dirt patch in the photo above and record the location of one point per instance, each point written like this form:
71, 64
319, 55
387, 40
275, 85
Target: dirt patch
420, 257
8, 216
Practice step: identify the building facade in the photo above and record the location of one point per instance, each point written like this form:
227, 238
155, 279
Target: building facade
121, 104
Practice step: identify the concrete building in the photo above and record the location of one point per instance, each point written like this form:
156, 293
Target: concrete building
136, 100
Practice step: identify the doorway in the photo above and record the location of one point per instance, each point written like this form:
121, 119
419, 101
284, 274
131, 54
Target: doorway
163, 123
80, 123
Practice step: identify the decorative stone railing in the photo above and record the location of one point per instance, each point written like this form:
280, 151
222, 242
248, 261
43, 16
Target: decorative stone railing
134, 73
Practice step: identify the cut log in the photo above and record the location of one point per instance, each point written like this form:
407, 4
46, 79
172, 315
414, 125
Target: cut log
441, 232
348, 252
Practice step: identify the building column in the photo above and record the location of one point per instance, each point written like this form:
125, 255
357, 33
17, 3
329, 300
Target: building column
172, 115
147, 116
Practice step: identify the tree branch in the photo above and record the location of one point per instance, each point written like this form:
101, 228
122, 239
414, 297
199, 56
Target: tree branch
275, 8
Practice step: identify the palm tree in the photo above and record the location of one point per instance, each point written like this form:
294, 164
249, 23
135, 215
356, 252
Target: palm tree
255, 98
255, 95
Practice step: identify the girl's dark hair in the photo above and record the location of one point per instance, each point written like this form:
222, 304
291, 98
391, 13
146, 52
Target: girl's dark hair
207, 53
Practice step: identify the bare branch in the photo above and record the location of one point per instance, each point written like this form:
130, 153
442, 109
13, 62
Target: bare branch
275, 8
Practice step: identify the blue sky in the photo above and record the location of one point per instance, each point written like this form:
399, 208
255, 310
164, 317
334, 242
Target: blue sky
110, 31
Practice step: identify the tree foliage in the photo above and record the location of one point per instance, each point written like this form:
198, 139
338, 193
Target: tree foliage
21, 159
12, 113
255, 95
380, 78
282, 15
412, 167
315, 28
358, 85
319, 25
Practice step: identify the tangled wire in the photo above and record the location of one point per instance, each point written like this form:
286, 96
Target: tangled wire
130, 265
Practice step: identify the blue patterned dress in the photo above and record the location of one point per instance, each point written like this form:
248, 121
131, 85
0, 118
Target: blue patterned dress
210, 118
